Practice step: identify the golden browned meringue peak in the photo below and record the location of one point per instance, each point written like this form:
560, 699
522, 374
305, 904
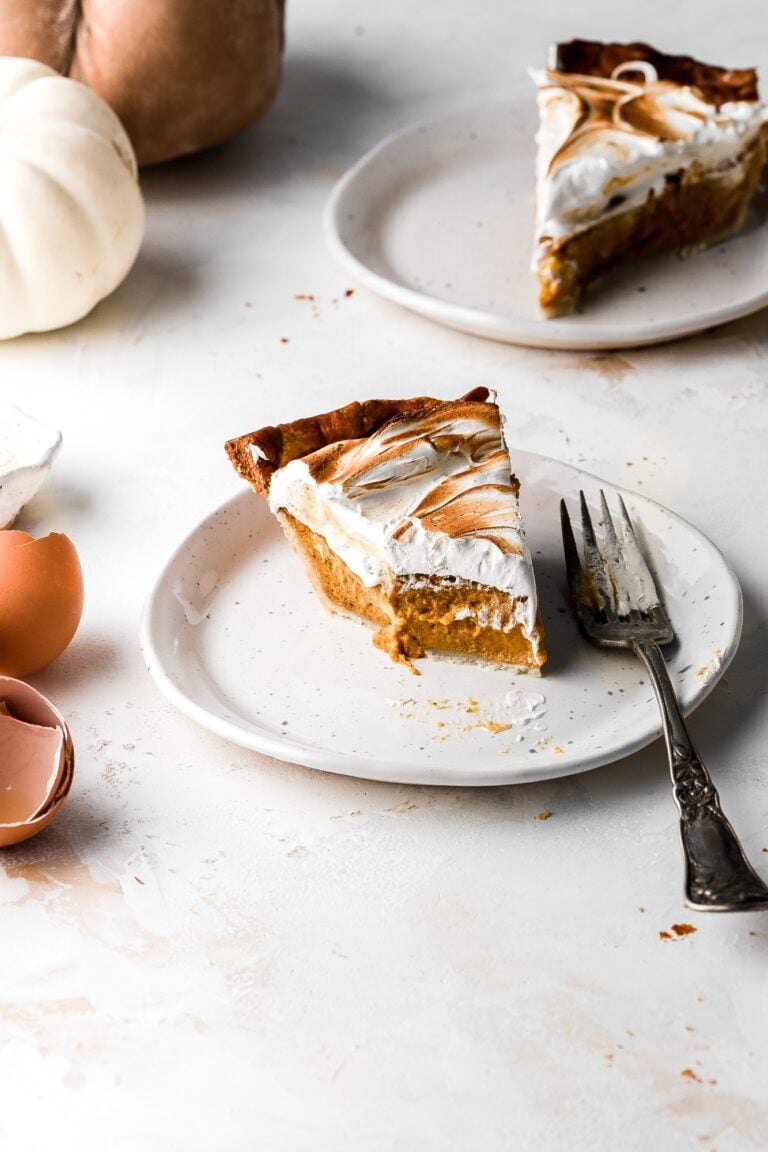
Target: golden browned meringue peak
411, 455
605, 143
428, 494
620, 106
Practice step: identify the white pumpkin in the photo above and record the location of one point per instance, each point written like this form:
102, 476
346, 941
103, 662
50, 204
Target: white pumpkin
71, 212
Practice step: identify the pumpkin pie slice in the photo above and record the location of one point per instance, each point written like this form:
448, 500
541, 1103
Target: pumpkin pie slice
638, 152
405, 514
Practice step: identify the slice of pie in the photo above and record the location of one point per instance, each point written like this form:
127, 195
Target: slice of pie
638, 152
405, 513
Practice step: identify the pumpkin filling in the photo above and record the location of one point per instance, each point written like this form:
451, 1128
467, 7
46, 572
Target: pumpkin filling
689, 212
418, 614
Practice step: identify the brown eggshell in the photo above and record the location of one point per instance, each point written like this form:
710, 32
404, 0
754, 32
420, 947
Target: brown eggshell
37, 761
41, 600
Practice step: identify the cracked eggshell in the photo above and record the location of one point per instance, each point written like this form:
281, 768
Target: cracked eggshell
41, 600
37, 761
27, 450
71, 211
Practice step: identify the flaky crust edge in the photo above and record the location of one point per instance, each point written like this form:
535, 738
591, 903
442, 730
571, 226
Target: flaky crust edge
598, 58
279, 444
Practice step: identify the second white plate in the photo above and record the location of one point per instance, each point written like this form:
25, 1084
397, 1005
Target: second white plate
236, 639
439, 218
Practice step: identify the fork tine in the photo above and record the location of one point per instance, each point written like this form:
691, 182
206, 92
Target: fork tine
590, 540
626, 523
573, 568
596, 568
631, 542
630, 546
607, 521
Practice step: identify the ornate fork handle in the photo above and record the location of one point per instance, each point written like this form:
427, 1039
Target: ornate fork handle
718, 877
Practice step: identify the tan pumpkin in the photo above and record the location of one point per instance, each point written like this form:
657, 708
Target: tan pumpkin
181, 74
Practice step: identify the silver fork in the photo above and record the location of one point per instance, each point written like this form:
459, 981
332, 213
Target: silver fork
617, 606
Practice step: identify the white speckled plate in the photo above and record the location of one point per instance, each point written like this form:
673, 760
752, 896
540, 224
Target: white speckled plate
439, 219
236, 639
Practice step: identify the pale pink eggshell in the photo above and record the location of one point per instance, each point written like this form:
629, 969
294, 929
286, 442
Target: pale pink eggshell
36, 761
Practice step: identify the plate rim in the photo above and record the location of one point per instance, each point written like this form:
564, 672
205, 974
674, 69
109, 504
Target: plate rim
291, 750
571, 334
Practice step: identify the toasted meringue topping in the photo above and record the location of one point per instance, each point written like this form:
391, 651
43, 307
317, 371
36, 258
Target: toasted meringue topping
426, 495
605, 143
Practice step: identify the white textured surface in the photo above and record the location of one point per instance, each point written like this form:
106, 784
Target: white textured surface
215, 951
